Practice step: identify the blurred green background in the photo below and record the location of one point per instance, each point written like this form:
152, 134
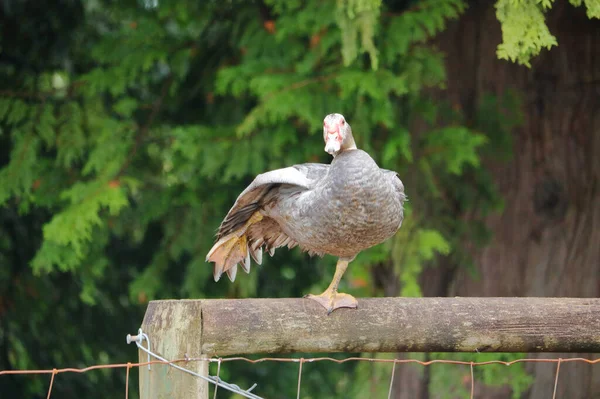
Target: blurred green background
127, 130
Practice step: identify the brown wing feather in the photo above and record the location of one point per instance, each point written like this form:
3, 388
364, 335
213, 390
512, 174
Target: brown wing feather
253, 197
268, 234
236, 218
245, 230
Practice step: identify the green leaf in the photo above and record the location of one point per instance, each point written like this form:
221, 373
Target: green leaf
125, 106
431, 242
68, 235
453, 147
524, 30
398, 144
17, 178
354, 18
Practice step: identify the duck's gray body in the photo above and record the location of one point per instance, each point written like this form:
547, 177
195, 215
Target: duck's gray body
349, 206
338, 209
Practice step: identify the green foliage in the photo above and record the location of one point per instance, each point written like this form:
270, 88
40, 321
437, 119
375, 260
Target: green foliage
17, 178
414, 246
356, 17
453, 148
420, 23
524, 29
68, 234
592, 7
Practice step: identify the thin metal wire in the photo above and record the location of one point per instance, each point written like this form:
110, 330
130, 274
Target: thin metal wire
392, 380
292, 360
51, 383
217, 382
127, 381
91, 368
299, 377
556, 378
230, 387
218, 373
139, 338
472, 382
234, 388
145, 336
422, 363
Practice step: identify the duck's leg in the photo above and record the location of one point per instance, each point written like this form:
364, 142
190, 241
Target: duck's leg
330, 299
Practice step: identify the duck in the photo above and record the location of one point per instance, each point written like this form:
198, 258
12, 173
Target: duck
340, 209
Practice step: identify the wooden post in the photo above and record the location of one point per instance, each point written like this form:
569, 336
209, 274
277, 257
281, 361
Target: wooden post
175, 330
223, 327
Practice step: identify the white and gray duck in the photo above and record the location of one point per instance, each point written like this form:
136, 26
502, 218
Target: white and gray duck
338, 209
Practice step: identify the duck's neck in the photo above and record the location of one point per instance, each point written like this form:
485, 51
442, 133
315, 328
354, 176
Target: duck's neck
347, 144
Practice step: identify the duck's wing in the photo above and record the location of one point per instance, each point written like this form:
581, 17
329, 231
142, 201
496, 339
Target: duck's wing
246, 230
395, 181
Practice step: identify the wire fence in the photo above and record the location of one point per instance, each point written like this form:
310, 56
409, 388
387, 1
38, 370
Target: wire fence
219, 383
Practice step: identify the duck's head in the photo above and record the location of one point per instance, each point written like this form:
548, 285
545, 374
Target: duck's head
337, 134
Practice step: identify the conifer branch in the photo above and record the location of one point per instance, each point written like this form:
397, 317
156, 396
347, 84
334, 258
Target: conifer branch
143, 131
300, 84
42, 95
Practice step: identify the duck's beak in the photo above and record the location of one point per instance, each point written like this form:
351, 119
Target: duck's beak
332, 144
333, 141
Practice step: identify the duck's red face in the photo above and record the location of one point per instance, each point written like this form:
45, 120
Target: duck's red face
334, 132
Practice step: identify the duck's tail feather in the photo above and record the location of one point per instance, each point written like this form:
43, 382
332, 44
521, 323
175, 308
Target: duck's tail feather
231, 250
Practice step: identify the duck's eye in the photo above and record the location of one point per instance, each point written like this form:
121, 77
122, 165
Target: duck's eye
343, 122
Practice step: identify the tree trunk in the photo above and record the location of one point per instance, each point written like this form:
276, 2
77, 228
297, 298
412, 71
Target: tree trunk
546, 242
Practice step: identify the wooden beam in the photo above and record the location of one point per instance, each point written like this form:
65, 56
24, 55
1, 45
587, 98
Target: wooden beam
175, 330
245, 326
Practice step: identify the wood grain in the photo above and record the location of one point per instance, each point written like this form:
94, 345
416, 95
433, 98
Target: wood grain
245, 326
174, 329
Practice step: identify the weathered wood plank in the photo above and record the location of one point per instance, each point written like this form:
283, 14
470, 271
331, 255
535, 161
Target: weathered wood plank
174, 329
244, 326
402, 324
